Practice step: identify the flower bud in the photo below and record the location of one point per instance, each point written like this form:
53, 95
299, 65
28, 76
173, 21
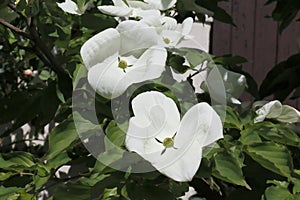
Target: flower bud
28, 72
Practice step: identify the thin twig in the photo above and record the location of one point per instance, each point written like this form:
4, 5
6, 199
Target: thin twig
197, 71
15, 29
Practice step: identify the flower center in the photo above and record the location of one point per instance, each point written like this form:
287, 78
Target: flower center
167, 40
123, 64
138, 18
168, 142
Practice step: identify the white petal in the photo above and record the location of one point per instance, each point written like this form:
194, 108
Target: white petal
169, 23
115, 11
153, 20
100, 47
107, 78
146, 148
233, 100
145, 14
136, 37
139, 4
69, 7
187, 25
289, 115
200, 123
149, 66
162, 4
155, 114
180, 164
270, 110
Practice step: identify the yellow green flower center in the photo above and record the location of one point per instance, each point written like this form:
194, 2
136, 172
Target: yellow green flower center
167, 40
138, 18
123, 64
168, 142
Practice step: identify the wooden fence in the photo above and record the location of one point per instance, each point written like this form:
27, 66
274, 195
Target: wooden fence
255, 37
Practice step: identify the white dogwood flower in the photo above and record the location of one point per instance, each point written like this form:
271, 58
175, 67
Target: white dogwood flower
171, 33
172, 146
71, 7
135, 9
118, 58
161, 4
275, 110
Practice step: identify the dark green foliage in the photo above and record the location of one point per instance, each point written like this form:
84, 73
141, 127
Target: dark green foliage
282, 79
253, 161
285, 11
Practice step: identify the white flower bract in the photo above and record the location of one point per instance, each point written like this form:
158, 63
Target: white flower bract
172, 146
71, 7
130, 9
118, 58
275, 110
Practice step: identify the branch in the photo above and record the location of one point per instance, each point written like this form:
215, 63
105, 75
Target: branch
38, 53
15, 29
55, 65
35, 37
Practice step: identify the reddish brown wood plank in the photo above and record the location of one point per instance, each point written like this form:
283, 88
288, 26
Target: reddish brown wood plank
287, 42
265, 42
243, 13
221, 36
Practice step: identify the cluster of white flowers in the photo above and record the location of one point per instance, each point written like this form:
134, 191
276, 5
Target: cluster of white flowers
133, 52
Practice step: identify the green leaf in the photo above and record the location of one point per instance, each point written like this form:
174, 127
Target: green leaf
194, 56
16, 159
282, 79
93, 179
272, 156
277, 193
97, 22
178, 189
6, 192
285, 12
109, 193
228, 168
58, 160
61, 138
44, 75
72, 191
249, 137
177, 63
83, 125
39, 105
7, 14
232, 119
191, 5
115, 135
4, 3
274, 132
296, 182
149, 192
80, 72
5, 175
